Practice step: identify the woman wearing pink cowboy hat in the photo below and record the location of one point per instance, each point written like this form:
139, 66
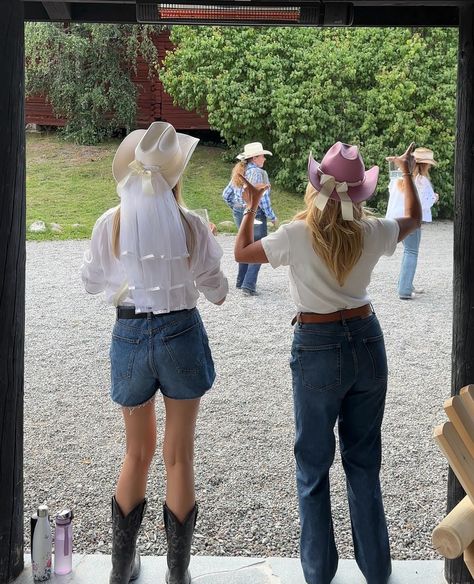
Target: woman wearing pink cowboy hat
152, 257
338, 360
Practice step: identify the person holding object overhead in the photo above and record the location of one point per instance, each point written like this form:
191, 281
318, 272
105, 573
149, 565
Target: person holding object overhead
152, 257
424, 161
338, 359
250, 166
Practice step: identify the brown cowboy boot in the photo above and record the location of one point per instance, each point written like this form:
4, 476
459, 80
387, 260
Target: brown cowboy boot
125, 557
179, 536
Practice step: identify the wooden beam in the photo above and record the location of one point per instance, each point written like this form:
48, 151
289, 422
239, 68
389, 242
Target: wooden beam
376, 16
12, 288
419, 16
58, 11
373, 4
463, 276
123, 13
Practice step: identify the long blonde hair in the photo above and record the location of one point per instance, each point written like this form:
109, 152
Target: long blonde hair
190, 238
337, 242
421, 168
238, 169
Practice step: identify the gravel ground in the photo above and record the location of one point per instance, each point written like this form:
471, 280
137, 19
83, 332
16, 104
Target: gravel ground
244, 465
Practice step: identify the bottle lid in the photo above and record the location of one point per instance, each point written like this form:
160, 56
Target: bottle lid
43, 511
64, 516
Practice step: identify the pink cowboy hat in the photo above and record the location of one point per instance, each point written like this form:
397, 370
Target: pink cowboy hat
344, 164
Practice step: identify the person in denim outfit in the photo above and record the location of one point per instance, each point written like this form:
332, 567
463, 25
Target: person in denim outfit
251, 164
338, 360
424, 161
152, 257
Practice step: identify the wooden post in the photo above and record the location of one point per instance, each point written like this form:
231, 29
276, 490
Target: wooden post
463, 277
12, 287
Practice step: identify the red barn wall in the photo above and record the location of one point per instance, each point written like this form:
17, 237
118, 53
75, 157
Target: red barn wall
153, 103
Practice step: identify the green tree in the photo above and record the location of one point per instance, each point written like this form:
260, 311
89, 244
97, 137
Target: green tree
84, 71
303, 89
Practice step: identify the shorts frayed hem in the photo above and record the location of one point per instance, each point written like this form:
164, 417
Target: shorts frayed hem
131, 409
186, 398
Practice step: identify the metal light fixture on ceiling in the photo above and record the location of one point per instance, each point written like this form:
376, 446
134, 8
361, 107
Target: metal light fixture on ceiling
250, 13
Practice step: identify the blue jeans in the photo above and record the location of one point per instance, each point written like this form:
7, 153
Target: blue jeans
340, 374
167, 352
411, 245
248, 273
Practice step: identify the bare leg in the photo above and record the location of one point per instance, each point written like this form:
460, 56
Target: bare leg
178, 455
140, 428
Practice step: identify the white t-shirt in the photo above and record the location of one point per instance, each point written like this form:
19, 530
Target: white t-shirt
313, 288
396, 201
103, 272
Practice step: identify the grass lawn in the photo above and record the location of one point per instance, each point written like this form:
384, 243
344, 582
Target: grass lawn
72, 185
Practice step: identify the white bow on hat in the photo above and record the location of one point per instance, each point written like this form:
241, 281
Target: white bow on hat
328, 184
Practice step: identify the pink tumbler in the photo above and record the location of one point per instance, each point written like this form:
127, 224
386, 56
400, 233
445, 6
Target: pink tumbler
63, 542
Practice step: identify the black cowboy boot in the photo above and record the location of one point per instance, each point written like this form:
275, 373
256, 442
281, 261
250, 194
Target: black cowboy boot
125, 558
179, 537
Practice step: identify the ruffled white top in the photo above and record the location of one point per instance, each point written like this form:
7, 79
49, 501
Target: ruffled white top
103, 272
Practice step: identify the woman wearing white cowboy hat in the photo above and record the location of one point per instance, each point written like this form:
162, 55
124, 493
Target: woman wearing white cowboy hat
338, 359
151, 257
424, 162
251, 164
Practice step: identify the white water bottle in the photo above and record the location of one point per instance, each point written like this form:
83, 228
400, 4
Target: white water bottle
42, 546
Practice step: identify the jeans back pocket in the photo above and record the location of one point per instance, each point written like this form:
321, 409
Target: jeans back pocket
319, 366
186, 349
376, 349
122, 356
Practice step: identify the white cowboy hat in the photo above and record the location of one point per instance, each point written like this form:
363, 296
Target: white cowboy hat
253, 149
159, 147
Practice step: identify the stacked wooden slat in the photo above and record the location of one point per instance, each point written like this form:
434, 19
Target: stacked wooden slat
455, 534
153, 103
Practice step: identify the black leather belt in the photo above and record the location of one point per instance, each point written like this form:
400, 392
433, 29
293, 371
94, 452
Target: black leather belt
129, 312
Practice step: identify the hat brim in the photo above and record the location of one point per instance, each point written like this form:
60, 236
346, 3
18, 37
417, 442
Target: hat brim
243, 156
126, 154
430, 162
357, 194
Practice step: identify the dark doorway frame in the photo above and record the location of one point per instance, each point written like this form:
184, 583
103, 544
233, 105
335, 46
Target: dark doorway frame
12, 223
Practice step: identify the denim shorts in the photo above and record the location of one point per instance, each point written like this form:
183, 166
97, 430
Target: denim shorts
166, 352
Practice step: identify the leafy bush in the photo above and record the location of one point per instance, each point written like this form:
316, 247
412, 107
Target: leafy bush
84, 71
303, 89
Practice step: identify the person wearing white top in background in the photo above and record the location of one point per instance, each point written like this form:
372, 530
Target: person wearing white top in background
152, 257
338, 359
411, 244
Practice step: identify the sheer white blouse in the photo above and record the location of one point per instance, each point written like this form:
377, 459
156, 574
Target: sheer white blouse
101, 271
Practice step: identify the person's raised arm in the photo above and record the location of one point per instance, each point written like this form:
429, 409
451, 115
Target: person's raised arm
246, 250
413, 212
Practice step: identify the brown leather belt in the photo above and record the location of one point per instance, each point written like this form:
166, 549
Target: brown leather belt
348, 313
